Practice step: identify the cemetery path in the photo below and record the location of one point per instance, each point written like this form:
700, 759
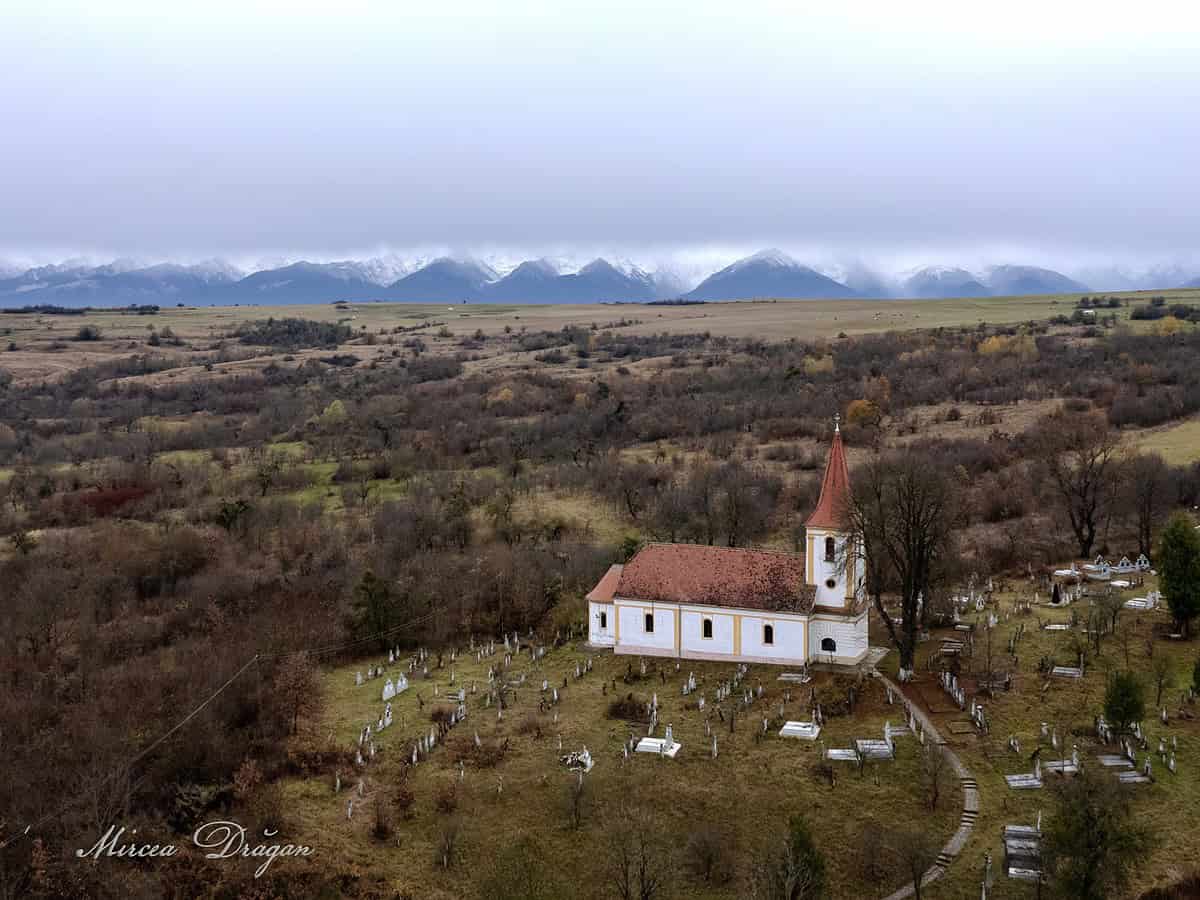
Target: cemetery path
970, 790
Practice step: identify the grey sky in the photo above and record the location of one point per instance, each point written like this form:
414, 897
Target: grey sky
906, 129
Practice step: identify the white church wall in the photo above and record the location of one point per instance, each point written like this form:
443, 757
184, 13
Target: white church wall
601, 626
632, 634
692, 638
849, 637
790, 639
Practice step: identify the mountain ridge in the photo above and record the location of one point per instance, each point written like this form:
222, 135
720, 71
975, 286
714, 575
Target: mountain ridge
770, 273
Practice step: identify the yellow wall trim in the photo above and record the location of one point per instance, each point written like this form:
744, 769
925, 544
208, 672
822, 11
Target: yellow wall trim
737, 635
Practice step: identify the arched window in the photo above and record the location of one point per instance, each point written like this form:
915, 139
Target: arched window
706, 628
768, 634
828, 645
649, 623
830, 549
603, 620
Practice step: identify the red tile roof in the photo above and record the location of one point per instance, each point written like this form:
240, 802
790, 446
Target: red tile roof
717, 576
835, 489
606, 587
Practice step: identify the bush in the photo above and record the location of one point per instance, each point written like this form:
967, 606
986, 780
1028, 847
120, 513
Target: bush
445, 797
293, 334
709, 855
87, 333
629, 708
403, 800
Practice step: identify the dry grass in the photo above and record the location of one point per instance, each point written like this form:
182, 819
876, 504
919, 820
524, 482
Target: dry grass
1171, 806
1179, 444
124, 334
749, 791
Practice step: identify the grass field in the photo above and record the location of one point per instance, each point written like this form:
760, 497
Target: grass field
1179, 444
45, 348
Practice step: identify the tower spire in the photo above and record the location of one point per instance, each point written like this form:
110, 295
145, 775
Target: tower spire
835, 487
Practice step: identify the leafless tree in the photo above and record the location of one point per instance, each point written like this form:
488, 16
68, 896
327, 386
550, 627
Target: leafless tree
788, 868
1160, 671
915, 851
1147, 489
936, 773
1081, 454
637, 861
901, 515
297, 686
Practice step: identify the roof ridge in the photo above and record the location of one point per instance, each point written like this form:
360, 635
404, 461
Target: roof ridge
775, 550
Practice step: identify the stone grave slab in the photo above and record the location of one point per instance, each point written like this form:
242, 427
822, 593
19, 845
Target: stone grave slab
806, 731
659, 746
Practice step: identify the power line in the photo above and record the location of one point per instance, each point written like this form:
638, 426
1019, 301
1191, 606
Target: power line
258, 657
141, 755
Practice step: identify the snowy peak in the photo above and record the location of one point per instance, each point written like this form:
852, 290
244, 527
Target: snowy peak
942, 282
768, 274
1009, 280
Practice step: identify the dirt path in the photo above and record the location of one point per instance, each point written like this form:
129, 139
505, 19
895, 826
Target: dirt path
970, 789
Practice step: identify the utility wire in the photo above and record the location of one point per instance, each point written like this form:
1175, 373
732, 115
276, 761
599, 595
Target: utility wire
257, 658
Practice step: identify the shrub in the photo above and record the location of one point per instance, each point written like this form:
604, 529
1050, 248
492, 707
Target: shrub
709, 855
445, 797
629, 708
87, 333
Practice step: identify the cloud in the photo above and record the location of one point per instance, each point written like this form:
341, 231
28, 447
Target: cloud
889, 130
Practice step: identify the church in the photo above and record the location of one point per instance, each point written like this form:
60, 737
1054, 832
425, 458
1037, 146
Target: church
693, 601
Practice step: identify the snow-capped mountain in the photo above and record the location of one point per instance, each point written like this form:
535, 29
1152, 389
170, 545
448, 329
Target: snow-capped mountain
562, 279
768, 273
941, 282
1011, 281
1126, 278
121, 282
444, 279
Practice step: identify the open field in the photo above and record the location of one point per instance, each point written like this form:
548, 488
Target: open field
1179, 444
45, 347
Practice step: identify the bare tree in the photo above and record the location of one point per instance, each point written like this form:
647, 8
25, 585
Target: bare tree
1160, 672
901, 515
297, 686
789, 868
936, 773
915, 851
1147, 486
576, 797
637, 861
1081, 455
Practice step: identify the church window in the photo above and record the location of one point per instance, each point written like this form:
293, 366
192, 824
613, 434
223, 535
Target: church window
706, 628
649, 623
829, 645
768, 634
603, 620
830, 583
830, 549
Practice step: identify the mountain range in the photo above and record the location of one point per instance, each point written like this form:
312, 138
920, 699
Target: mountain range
767, 274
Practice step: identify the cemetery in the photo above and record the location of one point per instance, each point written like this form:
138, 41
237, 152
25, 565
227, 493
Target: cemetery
512, 726
706, 742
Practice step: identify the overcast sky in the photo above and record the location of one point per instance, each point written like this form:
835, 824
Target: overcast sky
913, 129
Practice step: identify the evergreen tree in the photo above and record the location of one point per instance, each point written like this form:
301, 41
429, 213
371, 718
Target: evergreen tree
1093, 842
1179, 570
373, 611
1123, 701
